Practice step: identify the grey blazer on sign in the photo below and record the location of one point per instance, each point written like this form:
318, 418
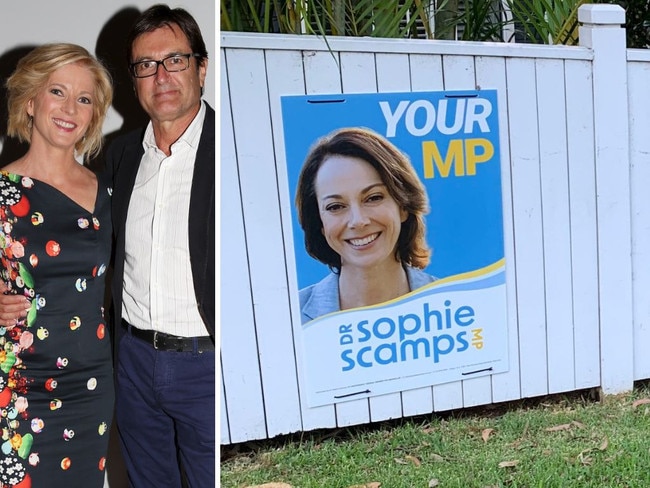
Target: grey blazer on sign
323, 297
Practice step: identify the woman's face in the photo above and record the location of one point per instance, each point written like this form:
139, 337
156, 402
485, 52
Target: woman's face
361, 220
63, 108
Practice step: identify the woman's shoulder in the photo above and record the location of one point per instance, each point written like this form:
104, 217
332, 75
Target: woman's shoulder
320, 289
319, 298
418, 278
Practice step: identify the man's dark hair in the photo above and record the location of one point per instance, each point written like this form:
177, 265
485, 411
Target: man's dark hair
160, 15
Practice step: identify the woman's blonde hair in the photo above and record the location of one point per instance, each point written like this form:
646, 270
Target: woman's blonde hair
31, 75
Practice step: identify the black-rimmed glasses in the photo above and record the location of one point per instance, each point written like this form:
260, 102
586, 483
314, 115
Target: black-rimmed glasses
172, 64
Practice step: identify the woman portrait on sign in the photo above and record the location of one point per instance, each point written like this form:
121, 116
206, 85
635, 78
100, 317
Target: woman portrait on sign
361, 206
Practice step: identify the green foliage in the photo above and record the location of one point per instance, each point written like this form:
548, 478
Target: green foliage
377, 18
360, 18
637, 17
479, 20
532, 21
546, 21
267, 16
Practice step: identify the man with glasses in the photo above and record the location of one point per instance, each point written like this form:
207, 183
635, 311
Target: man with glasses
163, 278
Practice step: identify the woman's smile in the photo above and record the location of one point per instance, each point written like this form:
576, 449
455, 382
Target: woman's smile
364, 241
63, 124
361, 220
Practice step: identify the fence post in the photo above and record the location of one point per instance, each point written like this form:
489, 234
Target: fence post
601, 31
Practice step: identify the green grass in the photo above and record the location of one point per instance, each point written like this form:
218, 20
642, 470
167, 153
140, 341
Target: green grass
556, 441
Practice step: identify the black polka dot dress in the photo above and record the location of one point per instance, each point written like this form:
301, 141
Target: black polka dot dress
56, 386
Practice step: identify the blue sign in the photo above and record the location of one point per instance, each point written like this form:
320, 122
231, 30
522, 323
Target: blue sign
398, 237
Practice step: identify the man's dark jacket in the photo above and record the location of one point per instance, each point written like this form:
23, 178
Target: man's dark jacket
122, 161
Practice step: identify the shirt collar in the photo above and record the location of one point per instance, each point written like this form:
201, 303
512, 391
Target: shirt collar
191, 136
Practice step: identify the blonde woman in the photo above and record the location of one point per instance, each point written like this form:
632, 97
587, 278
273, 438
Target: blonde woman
56, 384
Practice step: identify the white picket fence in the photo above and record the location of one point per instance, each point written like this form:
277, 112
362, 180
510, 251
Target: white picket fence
575, 153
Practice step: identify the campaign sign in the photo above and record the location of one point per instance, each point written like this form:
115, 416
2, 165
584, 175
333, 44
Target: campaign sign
450, 323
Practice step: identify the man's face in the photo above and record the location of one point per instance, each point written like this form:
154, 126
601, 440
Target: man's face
168, 97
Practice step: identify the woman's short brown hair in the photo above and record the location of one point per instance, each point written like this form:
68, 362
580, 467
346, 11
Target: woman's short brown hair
31, 75
395, 171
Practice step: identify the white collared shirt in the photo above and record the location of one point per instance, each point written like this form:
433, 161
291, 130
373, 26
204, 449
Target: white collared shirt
158, 292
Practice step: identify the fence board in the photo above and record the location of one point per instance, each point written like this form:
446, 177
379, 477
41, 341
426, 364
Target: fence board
425, 75
491, 73
638, 82
242, 383
584, 239
250, 109
286, 78
529, 252
322, 75
459, 72
392, 76
322, 72
358, 75
555, 222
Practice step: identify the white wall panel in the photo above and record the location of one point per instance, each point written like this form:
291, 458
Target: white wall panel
584, 242
459, 74
358, 75
240, 364
639, 80
392, 76
551, 117
527, 210
264, 239
426, 75
491, 74
322, 75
